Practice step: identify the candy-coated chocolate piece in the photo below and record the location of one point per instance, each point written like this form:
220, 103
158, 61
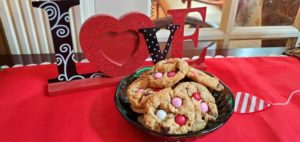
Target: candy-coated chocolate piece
180, 119
197, 96
141, 90
171, 74
158, 75
177, 102
156, 89
204, 106
161, 114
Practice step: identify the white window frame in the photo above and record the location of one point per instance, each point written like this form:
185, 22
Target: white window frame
228, 31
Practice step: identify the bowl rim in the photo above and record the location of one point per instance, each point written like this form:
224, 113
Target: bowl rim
187, 135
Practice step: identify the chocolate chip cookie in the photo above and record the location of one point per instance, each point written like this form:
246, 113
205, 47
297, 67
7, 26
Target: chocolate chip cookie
167, 73
204, 102
169, 112
139, 92
204, 79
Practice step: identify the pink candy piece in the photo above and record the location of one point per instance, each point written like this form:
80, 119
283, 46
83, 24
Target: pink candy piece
204, 107
141, 90
158, 75
177, 102
171, 74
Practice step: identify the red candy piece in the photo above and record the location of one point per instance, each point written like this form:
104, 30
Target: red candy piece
197, 96
156, 89
180, 119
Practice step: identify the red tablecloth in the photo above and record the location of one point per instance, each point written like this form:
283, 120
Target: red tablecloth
27, 114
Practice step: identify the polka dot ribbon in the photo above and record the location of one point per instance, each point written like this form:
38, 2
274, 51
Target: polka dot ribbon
247, 103
152, 42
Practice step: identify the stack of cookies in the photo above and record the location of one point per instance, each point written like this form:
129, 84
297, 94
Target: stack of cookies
174, 98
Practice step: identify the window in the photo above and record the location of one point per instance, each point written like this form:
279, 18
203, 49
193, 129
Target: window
27, 29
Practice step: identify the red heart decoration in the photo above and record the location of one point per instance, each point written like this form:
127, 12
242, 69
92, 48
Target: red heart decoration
114, 46
114, 42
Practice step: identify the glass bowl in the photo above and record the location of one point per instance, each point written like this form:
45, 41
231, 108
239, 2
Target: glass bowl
224, 101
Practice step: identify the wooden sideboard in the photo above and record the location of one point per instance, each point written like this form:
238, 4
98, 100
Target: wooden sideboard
26, 59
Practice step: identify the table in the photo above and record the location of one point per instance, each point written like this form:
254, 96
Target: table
27, 114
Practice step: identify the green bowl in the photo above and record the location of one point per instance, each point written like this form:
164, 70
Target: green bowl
224, 101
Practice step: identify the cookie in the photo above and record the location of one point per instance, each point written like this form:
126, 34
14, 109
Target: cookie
138, 93
169, 112
166, 73
204, 102
204, 79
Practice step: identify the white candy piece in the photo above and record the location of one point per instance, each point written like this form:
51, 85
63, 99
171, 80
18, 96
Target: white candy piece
161, 114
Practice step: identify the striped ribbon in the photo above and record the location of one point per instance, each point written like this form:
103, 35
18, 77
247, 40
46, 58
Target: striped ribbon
247, 103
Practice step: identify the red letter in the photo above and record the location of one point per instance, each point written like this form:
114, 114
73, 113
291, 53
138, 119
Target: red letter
178, 19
